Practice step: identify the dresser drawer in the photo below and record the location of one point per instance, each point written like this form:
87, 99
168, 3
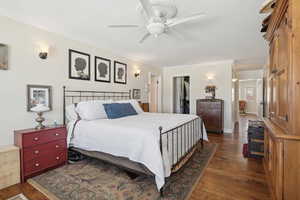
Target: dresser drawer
44, 136
37, 151
51, 160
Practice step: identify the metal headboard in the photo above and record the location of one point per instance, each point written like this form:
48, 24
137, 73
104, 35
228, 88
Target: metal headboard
76, 96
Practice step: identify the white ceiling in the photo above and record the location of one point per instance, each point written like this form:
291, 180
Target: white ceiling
229, 31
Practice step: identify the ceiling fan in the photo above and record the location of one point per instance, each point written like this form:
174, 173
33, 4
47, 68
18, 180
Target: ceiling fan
160, 16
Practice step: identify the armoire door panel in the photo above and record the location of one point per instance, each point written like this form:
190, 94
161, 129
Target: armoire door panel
282, 74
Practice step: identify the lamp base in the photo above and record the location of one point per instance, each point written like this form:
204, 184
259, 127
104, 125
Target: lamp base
40, 126
40, 121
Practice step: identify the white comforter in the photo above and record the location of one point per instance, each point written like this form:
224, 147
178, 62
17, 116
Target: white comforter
134, 137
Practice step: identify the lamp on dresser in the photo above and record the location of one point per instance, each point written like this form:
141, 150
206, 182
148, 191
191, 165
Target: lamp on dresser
39, 110
41, 150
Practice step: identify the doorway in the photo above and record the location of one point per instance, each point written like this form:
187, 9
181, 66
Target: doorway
154, 93
181, 97
251, 97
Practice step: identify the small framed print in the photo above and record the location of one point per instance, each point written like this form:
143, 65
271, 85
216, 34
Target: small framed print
136, 93
102, 69
120, 72
39, 94
79, 65
3, 57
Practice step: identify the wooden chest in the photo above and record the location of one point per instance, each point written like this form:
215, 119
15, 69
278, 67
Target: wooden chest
41, 150
9, 166
212, 113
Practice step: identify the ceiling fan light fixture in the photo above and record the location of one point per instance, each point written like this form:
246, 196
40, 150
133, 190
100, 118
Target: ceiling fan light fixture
156, 28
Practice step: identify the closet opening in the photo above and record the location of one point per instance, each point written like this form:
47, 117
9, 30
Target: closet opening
181, 98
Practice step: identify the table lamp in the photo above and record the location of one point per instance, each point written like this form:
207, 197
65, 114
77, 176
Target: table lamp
40, 109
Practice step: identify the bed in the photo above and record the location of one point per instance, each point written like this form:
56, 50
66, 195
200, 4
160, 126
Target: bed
152, 144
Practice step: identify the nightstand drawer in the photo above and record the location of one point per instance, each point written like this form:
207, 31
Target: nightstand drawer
51, 160
44, 136
37, 151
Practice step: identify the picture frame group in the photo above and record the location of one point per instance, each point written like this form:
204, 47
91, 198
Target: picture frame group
80, 68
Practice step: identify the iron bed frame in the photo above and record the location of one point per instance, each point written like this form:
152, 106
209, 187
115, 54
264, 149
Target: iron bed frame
188, 135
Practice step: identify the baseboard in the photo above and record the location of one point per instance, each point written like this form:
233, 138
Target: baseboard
252, 113
228, 130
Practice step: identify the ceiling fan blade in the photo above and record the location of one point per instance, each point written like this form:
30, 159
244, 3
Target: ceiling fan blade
145, 37
123, 26
175, 34
148, 8
176, 22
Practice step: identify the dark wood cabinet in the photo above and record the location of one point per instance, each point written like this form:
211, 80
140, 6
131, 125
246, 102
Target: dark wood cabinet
212, 113
41, 150
145, 106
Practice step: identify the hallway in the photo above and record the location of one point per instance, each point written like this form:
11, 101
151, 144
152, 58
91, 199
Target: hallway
230, 176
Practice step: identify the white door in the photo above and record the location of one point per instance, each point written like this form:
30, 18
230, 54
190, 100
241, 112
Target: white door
260, 98
155, 94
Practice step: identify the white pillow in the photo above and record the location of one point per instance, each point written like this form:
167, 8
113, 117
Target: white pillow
71, 114
92, 110
134, 103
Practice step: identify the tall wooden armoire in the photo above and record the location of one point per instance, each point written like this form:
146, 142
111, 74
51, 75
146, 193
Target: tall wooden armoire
282, 135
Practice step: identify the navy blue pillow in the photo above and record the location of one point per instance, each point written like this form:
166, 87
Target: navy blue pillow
118, 110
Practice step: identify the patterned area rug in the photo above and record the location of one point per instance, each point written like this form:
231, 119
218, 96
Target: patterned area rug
92, 179
18, 197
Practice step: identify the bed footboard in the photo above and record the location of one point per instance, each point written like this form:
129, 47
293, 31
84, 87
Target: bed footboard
180, 142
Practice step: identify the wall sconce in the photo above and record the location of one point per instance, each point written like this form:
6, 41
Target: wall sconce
137, 73
234, 80
43, 52
210, 77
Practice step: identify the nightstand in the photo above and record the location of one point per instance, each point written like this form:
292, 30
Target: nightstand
144, 106
41, 150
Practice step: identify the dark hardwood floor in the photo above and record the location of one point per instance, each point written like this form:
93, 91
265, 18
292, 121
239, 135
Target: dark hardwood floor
229, 176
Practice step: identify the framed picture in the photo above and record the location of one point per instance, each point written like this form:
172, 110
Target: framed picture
102, 69
39, 94
120, 72
79, 65
136, 93
3, 57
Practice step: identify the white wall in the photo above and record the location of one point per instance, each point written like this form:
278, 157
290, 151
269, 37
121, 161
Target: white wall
222, 72
25, 67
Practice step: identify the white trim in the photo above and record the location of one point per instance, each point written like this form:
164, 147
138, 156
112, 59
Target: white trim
252, 113
228, 130
204, 64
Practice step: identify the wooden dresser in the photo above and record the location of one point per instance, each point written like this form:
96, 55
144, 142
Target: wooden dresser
144, 106
282, 132
212, 113
41, 150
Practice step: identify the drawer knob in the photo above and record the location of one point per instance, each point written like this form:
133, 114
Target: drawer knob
36, 139
56, 134
57, 158
37, 164
57, 146
36, 151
